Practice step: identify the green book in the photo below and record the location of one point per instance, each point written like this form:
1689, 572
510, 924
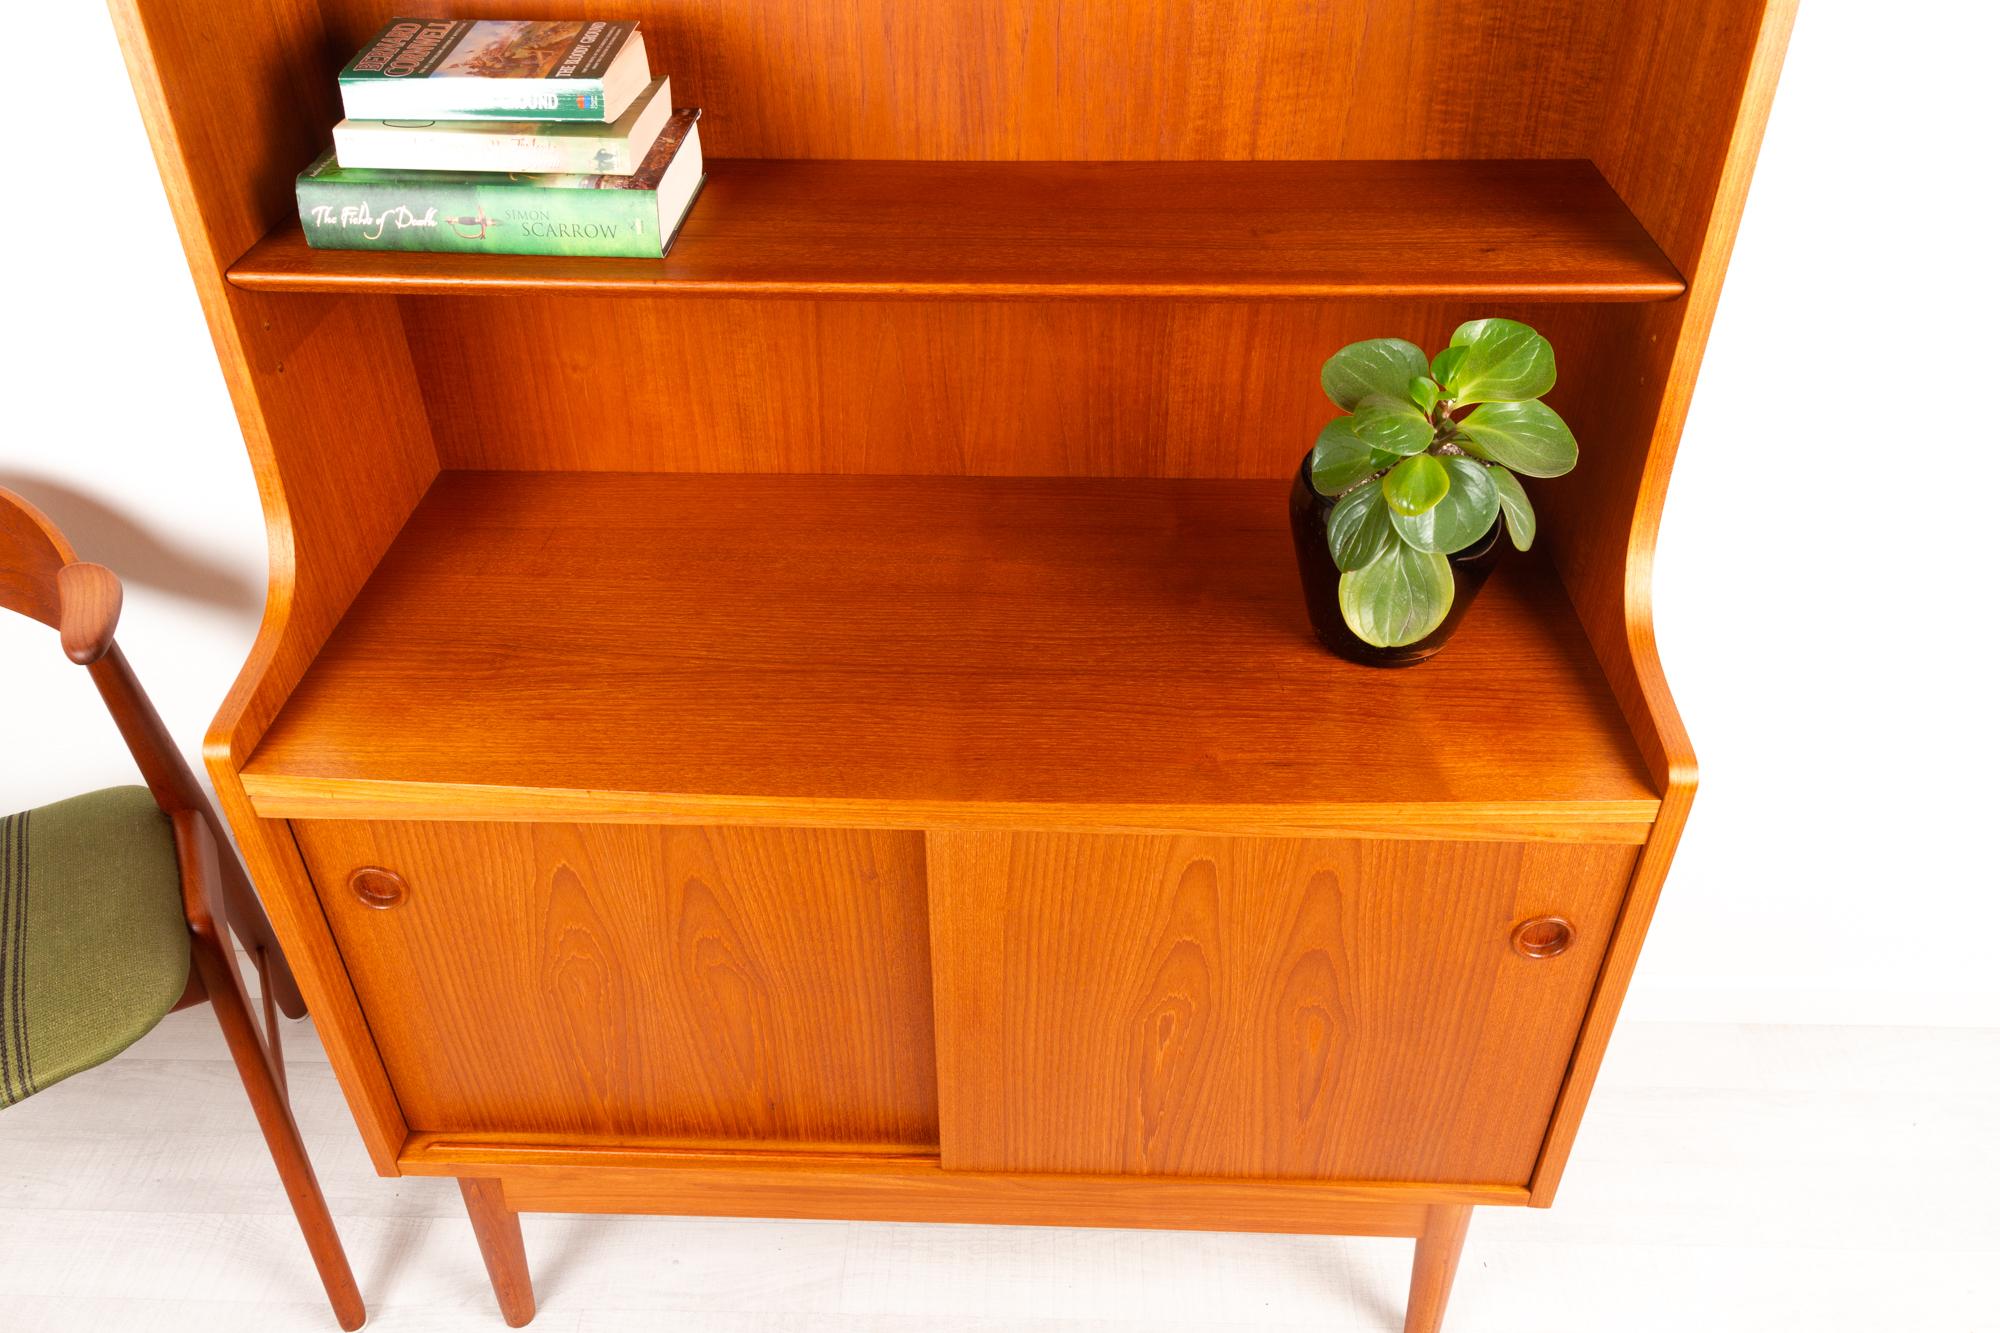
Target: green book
496, 69
483, 212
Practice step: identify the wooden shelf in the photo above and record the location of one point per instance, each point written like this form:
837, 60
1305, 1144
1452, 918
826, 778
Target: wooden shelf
924, 652
1522, 230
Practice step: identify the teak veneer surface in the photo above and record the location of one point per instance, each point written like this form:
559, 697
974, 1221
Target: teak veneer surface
1104, 79
1150, 388
922, 652
1327, 1008
1519, 230
918, 1189
750, 986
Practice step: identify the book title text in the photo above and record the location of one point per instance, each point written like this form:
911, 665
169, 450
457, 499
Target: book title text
403, 49
580, 50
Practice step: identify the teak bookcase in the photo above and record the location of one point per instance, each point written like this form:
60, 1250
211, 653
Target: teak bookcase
824, 724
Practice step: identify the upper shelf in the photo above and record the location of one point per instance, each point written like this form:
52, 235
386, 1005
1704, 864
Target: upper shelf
918, 652
1516, 230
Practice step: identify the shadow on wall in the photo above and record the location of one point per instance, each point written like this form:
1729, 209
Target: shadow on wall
123, 544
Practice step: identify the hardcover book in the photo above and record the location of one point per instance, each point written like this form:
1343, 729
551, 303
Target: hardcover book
496, 69
577, 146
632, 216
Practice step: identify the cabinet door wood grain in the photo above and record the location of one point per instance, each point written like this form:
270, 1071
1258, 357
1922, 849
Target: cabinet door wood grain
697, 983
1329, 1009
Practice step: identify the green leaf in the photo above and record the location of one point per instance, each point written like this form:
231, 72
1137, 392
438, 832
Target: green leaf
1393, 425
1340, 458
1505, 362
1397, 598
1380, 365
1416, 485
1527, 437
1464, 515
1444, 365
1358, 529
1514, 504
1425, 393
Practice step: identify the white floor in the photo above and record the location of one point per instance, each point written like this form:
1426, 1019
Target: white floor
1823, 1179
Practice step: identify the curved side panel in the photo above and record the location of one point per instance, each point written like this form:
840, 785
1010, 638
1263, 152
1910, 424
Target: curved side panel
330, 413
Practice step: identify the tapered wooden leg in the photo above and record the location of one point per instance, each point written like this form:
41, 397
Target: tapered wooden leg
498, 1228
1437, 1263
281, 1133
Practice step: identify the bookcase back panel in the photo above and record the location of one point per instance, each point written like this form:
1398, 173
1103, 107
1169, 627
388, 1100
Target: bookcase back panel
1107, 79
1166, 389
1664, 142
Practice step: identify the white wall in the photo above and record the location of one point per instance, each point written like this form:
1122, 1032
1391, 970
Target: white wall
1823, 588
1823, 583
119, 427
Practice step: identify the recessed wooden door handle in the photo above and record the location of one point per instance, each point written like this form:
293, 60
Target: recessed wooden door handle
376, 887
1543, 937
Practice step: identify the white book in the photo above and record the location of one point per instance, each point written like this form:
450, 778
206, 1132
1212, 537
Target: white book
520, 146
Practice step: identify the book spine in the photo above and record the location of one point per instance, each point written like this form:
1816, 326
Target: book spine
526, 154
465, 218
473, 99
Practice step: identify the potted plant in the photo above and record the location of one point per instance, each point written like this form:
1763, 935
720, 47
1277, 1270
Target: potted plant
1397, 510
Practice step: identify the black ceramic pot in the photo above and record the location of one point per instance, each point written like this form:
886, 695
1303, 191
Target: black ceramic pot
1321, 580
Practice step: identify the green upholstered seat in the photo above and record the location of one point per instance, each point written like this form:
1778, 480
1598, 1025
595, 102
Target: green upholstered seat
93, 940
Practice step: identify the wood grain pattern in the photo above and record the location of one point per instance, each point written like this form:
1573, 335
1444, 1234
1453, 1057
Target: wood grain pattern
732, 984
1104, 79
933, 1195
1335, 1010
334, 493
1063, 650
915, 1188
558, 1157
1522, 231
322, 799
982, 388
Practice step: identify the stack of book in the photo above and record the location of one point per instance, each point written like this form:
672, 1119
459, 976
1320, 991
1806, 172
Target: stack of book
529, 137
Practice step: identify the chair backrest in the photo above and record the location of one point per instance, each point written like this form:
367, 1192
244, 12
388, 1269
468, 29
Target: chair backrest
32, 555
40, 577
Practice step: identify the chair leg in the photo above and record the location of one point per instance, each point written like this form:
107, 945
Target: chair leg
1436, 1264
281, 1132
274, 1040
498, 1228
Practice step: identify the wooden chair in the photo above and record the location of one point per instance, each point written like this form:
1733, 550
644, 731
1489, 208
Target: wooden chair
115, 907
